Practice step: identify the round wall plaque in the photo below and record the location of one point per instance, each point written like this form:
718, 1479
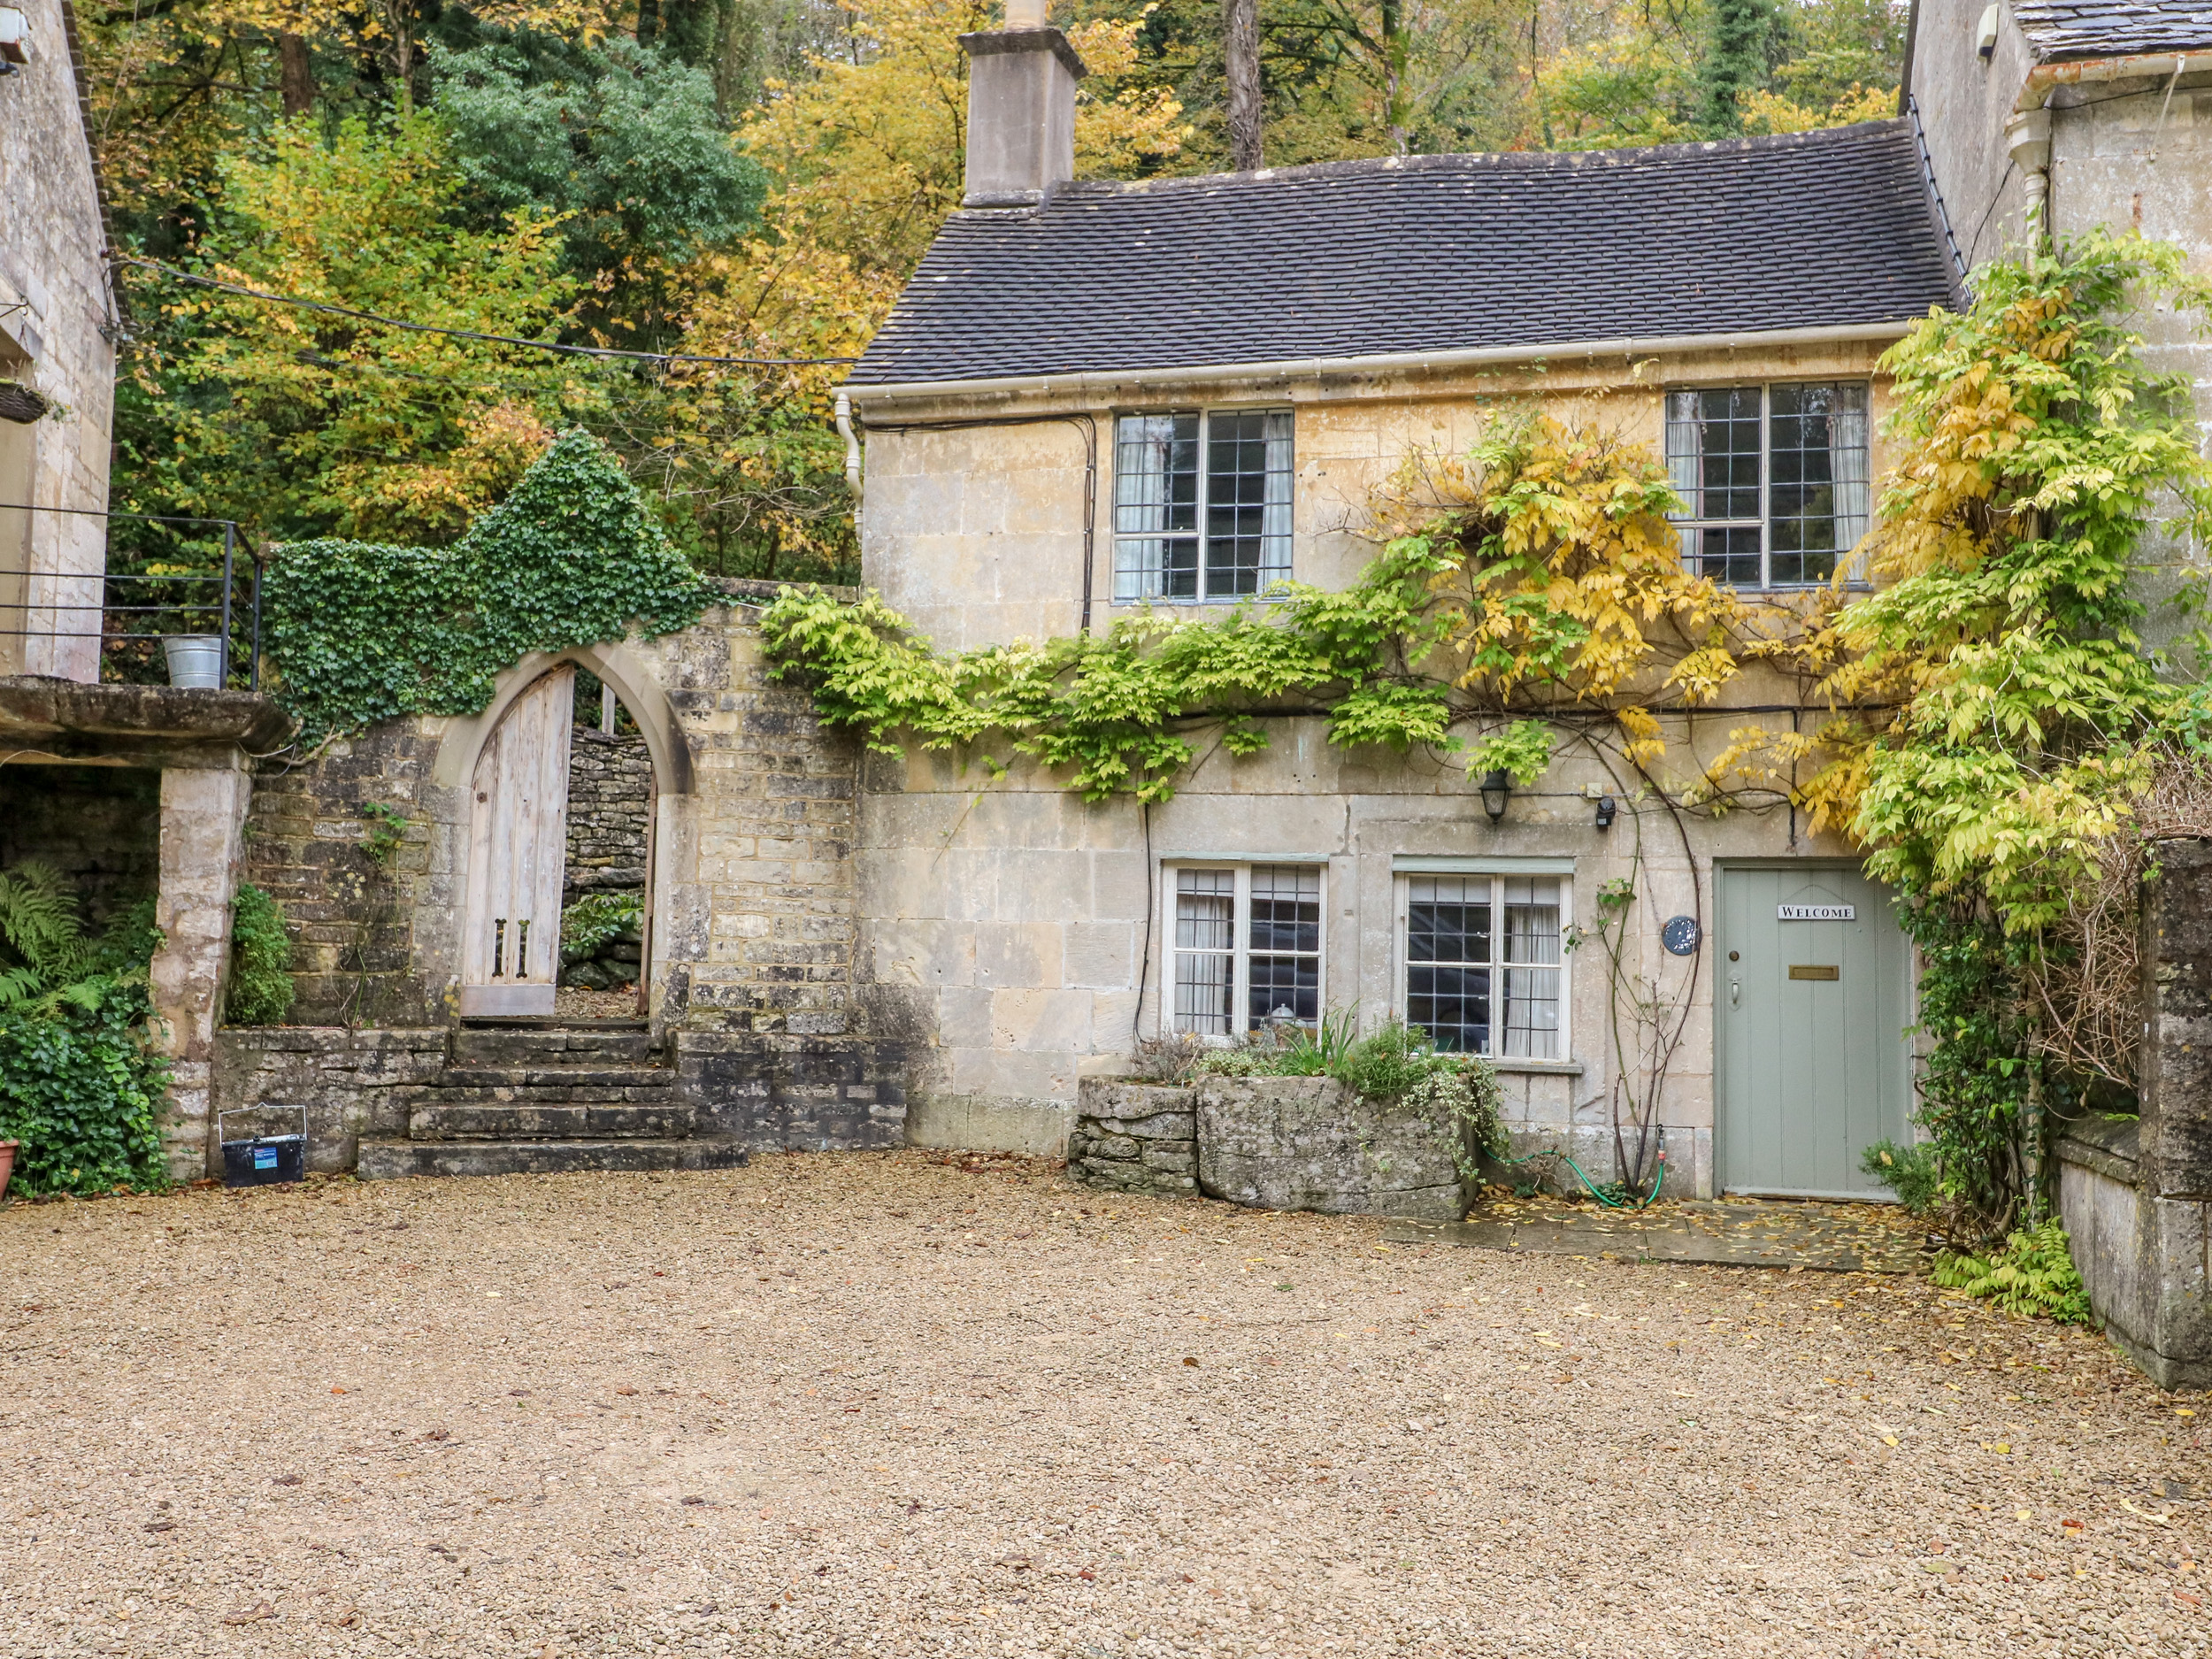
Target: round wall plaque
1679, 934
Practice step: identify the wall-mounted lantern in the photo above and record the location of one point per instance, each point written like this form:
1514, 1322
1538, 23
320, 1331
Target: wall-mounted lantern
1497, 789
1607, 809
15, 39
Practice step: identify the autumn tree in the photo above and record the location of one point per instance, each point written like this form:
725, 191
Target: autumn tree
295, 422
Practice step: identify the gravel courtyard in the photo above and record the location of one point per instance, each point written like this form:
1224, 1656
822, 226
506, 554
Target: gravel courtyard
913, 1403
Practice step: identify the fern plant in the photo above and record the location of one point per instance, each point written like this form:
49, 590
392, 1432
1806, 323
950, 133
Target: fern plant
79, 1086
2032, 1274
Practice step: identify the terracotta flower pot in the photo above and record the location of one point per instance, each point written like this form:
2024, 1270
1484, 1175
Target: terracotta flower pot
7, 1163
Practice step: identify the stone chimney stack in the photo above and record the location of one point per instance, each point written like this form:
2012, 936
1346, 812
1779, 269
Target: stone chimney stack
1021, 109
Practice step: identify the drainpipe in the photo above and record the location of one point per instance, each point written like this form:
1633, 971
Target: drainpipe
852, 442
2028, 140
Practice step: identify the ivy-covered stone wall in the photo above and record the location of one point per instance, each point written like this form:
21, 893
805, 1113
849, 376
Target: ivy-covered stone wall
756, 979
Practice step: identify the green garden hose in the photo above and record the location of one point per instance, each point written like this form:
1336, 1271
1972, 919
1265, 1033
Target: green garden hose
1645, 1203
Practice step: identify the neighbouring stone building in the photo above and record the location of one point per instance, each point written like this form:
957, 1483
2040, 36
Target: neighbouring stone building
128, 788
2055, 117
60, 318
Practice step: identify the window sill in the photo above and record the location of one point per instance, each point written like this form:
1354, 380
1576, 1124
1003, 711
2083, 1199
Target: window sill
1538, 1068
1182, 602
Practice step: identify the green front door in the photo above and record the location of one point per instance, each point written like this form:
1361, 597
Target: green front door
1812, 997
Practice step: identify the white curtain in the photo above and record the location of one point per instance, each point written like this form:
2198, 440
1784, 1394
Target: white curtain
1275, 519
1142, 443
1847, 465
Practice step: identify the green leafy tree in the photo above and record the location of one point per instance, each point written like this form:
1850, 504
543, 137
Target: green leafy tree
1745, 41
624, 145
299, 423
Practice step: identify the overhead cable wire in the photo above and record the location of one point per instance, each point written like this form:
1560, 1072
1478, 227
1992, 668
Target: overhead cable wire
328, 309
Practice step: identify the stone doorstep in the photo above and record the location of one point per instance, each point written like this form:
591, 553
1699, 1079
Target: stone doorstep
554, 1076
383, 1158
495, 1094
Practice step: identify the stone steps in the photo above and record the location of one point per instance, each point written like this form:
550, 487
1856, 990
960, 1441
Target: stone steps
392, 1159
573, 1122
462, 1077
644, 1091
518, 1042
523, 1096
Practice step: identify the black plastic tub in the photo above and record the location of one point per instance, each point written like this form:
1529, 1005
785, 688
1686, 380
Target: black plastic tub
266, 1160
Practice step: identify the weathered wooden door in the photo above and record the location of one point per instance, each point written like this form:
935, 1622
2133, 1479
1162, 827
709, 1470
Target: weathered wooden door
1812, 993
511, 953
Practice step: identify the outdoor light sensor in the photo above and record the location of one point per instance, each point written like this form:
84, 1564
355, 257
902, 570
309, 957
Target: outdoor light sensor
1986, 35
15, 39
1497, 789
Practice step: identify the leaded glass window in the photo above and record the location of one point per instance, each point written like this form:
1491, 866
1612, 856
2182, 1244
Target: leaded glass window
1201, 504
1247, 947
1484, 967
1774, 480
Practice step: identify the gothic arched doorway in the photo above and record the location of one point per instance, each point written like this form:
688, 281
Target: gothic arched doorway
511, 940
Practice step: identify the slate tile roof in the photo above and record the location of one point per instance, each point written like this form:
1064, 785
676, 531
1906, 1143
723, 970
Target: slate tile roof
2061, 29
1428, 254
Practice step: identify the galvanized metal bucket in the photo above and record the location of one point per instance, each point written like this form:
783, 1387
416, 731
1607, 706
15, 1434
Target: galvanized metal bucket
195, 660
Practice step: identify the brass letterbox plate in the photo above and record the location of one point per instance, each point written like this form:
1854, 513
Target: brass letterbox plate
1813, 971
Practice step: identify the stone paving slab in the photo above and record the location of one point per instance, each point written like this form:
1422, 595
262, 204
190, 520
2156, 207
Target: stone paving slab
1838, 1238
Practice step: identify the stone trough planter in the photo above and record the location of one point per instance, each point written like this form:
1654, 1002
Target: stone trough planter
1270, 1142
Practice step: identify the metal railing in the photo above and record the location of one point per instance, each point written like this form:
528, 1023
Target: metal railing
191, 592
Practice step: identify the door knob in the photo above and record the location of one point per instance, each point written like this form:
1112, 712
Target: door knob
1735, 994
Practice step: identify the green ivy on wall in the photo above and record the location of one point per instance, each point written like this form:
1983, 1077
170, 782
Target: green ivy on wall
358, 631
261, 988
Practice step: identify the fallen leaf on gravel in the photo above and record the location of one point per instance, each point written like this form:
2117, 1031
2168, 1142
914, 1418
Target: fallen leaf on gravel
2160, 1520
1188, 1360
264, 1611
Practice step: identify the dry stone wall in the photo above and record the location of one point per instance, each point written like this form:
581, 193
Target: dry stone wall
1135, 1137
346, 1081
610, 801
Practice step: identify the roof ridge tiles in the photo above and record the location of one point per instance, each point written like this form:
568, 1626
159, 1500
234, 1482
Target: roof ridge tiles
1470, 163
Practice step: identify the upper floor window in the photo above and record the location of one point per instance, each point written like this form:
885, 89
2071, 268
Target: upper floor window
1774, 479
1201, 504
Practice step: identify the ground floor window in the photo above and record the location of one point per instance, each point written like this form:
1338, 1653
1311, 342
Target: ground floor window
1485, 970
1245, 947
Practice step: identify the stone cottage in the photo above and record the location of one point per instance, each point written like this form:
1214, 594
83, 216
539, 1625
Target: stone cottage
1095, 397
